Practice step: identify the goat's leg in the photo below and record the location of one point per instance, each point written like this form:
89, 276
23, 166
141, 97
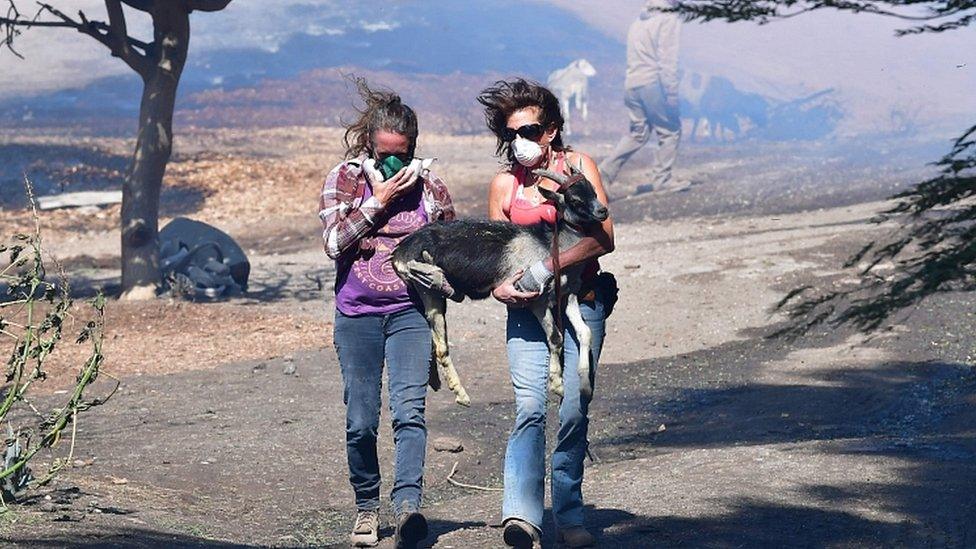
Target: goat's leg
430, 311
433, 378
565, 106
583, 336
554, 340
436, 307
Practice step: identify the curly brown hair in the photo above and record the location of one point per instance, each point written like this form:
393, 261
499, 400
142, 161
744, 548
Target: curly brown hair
383, 110
505, 97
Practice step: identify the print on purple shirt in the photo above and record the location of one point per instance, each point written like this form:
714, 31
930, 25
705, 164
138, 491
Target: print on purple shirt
370, 285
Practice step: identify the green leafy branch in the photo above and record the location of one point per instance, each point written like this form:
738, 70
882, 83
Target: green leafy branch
929, 15
33, 312
932, 250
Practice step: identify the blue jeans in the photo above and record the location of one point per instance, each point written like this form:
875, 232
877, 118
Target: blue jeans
525, 458
362, 343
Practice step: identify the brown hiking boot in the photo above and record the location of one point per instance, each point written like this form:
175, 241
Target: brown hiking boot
366, 532
411, 527
520, 534
577, 536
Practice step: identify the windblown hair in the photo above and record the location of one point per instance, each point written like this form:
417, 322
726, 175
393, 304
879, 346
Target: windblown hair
506, 97
383, 110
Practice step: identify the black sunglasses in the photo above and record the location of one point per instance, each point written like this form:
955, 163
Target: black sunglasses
531, 132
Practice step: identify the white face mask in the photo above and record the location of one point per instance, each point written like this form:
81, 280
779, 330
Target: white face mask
528, 153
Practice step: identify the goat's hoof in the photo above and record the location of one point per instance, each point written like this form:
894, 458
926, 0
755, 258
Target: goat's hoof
463, 400
586, 388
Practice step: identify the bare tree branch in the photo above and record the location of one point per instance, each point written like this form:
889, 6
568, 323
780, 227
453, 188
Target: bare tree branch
133, 42
29, 23
84, 26
207, 5
117, 26
119, 39
141, 5
113, 36
9, 25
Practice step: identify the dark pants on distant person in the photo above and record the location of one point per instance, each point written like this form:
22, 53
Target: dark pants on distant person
649, 114
363, 342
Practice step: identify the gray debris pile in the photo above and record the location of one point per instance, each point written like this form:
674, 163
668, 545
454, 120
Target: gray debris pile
199, 261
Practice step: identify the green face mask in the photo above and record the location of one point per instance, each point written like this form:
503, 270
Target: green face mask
390, 166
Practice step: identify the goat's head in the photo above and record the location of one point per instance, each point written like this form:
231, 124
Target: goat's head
576, 199
585, 67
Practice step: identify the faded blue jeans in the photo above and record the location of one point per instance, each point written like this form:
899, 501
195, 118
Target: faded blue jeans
362, 343
525, 458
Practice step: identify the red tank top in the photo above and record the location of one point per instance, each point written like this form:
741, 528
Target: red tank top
521, 211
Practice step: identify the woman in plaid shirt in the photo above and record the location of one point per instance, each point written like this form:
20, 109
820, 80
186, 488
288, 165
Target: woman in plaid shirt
369, 202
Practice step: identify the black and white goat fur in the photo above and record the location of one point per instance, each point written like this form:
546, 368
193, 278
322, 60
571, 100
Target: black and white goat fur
477, 255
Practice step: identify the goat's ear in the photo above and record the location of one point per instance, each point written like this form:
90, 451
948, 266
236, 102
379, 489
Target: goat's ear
556, 197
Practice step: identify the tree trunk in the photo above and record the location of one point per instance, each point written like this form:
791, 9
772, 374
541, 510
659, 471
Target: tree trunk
141, 190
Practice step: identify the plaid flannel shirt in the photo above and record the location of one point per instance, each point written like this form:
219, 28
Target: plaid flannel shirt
347, 218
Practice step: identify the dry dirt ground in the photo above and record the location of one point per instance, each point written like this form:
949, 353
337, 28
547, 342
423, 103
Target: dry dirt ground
228, 428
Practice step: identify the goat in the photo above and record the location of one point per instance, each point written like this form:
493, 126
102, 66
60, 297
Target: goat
478, 255
571, 83
718, 109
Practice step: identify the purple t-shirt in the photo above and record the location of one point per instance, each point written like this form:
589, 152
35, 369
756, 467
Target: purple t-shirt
369, 285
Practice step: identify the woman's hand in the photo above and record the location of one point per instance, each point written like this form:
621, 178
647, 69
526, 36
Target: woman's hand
509, 295
394, 187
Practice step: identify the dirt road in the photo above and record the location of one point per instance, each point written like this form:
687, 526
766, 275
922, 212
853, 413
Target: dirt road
707, 433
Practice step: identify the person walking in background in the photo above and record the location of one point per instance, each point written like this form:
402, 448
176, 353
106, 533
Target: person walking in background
651, 97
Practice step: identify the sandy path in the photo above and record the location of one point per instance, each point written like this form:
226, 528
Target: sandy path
830, 440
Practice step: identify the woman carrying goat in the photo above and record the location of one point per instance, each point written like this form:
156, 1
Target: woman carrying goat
525, 118
370, 202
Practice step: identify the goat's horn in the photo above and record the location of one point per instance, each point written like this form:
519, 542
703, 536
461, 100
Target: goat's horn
574, 169
558, 178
